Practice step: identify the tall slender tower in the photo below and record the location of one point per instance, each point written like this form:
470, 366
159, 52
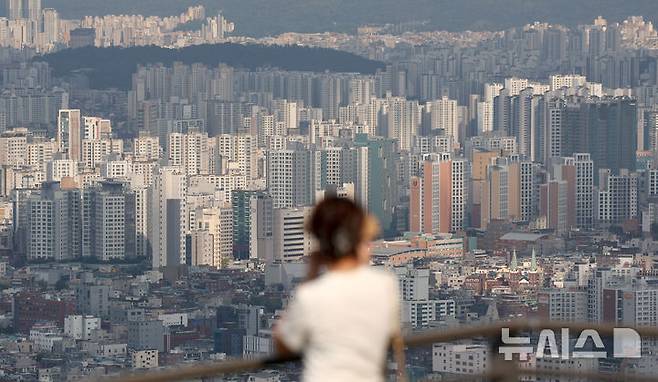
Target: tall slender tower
14, 9
32, 9
69, 134
168, 218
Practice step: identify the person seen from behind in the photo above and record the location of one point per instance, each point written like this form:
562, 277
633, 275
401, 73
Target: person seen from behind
346, 316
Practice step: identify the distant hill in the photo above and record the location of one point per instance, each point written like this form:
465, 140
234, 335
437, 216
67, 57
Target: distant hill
113, 67
267, 17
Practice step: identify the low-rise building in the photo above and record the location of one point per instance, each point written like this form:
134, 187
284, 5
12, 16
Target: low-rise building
145, 359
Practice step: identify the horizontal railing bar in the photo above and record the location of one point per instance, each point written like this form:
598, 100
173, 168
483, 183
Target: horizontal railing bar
205, 369
502, 373
208, 369
587, 375
434, 336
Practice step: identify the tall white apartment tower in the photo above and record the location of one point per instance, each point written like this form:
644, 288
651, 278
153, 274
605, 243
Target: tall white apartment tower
167, 217
32, 9
286, 112
486, 108
239, 149
361, 176
485, 117
553, 129
189, 151
443, 115
53, 223
280, 177
14, 9
105, 227
584, 190
491, 91
399, 120
361, 90
460, 192
516, 85
559, 81
212, 237
96, 128
50, 25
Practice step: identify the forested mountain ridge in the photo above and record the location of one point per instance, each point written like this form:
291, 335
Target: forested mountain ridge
113, 67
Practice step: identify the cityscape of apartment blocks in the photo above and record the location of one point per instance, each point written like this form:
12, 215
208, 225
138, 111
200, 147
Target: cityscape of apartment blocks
224, 158
196, 146
514, 175
26, 25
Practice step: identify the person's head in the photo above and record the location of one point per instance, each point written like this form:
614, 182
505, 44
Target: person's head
342, 230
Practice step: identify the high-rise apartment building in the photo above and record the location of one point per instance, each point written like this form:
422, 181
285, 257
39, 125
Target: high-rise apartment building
630, 306
617, 196
291, 240
484, 117
189, 151
286, 112
563, 305
495, 193
331, 167
109, 219
211, 237
559, 81
599, 126
584, 190
527, 123
51, 26
553, 129
167, 219
237, 150
54, 223
95, 128
225, 117
291, 176
13, 147
443, 114
23, 9
522, 195
553, 205
399, 119
440, 195
69, 134
378, 166
516, 85
252, 225
502, 112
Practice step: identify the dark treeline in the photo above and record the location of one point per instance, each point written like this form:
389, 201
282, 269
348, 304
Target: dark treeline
113, 67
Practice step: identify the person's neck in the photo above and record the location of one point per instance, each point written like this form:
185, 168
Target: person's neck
342, 265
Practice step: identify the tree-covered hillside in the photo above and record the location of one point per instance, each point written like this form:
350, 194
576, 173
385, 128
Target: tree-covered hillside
113, 67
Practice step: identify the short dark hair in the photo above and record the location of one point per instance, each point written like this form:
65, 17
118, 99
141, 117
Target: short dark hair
339, 225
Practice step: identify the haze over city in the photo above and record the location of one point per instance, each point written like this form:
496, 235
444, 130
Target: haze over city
188, 183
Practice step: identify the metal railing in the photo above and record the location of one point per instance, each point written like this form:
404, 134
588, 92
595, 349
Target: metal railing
499, 370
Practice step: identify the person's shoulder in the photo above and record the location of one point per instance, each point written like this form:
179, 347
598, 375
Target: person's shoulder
310, 289
304, 289
381, 274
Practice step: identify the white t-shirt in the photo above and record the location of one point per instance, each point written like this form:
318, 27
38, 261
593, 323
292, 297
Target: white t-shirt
343, 322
